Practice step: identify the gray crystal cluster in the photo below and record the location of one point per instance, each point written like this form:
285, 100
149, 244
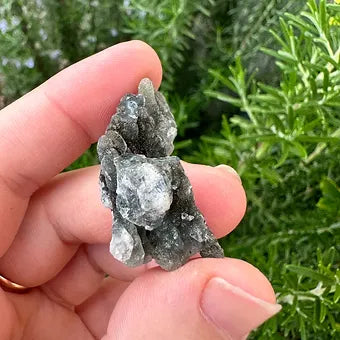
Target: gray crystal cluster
154, 213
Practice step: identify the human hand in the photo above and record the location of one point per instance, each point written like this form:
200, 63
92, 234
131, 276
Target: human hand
54, 231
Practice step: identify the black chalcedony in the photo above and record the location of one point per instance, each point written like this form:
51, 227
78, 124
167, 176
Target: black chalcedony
155, 216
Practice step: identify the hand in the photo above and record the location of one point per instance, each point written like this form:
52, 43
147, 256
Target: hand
54, 231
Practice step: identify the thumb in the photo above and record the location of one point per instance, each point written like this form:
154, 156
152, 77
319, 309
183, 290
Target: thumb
205, 299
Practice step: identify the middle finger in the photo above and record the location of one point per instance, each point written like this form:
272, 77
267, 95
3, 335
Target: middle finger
68, 212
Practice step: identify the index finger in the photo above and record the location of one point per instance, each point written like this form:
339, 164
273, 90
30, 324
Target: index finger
51, 126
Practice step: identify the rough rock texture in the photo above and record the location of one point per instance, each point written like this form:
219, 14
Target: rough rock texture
155, 215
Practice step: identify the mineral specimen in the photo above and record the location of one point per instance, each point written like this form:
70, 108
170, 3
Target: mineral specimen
154, 213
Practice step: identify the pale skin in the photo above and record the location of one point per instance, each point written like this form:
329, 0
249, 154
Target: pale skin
54, 231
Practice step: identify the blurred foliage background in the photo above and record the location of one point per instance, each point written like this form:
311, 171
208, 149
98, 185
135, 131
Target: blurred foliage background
254, 84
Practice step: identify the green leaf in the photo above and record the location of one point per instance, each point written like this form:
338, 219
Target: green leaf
328, 257
265, 137
333, 7
312, 5
314, 87
317, 139
323, 16
271, 175
223, 97
302, 329
332, 61
226, 131
264, 98
284, 28
242, 123
311, 125
292, 81
299, 23
273, 91
290, 117
284, 154
330, 189
279, 39
325, 80
281, 55
183, 144
225, 81
308, 272
262, 149
323, 311
214, 140
203, 10
297, 149
278, 123
337, 293
333, 102
312, 19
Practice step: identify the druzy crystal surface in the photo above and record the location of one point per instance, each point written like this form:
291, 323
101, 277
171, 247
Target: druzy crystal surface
153, 208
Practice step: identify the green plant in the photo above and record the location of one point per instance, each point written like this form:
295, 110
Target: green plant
252, 21
285, 143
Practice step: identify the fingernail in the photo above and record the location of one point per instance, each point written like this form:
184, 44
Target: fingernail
229, 169
234, 311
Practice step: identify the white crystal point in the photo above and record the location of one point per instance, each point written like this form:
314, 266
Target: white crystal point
121, 245
146, 88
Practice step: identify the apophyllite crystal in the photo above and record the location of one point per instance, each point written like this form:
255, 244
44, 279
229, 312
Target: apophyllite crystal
154, 212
